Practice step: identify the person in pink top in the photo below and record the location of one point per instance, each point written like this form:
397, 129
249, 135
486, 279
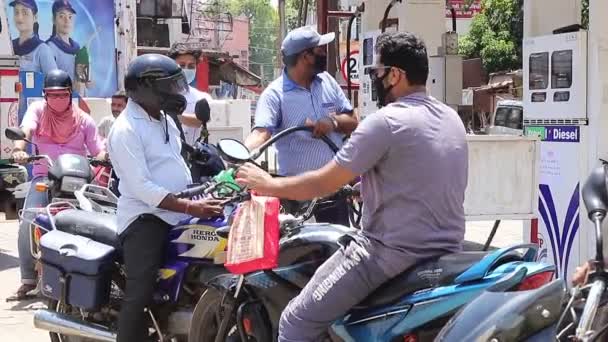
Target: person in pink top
56, 127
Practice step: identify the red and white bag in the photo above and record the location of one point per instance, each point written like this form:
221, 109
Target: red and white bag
253, 243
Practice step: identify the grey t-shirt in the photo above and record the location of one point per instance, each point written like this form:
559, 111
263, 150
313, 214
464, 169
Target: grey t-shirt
413, 158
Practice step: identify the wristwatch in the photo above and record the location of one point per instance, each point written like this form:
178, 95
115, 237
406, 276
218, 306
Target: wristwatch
334, 121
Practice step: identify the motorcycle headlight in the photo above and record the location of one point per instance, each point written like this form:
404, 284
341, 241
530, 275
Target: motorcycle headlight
71, 184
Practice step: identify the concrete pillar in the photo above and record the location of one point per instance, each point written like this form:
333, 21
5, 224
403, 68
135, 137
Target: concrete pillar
425, 18
597, 92
126, 42
541, 17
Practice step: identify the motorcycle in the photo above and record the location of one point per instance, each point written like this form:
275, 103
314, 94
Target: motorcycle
66, 174
411, 307
83, 276
68, 177
551, 312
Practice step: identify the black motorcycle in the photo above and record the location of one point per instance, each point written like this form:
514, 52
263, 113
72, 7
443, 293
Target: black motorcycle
502, 313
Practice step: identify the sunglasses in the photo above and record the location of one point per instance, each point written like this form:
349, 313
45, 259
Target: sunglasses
373, 71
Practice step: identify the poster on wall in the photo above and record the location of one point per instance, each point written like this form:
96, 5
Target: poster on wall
76, 36
5, 38
559, 193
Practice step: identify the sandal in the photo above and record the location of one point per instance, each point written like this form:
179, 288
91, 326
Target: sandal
23, 293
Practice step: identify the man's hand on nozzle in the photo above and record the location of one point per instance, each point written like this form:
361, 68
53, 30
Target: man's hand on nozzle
204, 209
254, 178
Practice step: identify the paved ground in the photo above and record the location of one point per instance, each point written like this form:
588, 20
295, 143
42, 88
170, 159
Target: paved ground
16, 317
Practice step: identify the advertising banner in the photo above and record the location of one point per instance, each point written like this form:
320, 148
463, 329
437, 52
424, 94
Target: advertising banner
73, 35
465, 9
558, 203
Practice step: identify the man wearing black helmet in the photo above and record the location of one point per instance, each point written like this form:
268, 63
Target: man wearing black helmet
144, 145
56, 127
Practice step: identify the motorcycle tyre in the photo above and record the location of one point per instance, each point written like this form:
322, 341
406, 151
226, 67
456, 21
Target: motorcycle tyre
203, 320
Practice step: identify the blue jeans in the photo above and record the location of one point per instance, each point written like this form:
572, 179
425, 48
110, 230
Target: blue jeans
34, 199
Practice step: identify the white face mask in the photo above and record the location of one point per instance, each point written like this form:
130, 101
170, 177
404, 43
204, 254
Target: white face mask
190, 74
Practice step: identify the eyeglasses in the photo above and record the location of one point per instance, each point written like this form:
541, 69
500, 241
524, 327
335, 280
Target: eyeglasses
373, 71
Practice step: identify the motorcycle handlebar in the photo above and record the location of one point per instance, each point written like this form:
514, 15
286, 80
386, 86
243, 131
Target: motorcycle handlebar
98, 162
28, 160
194, 191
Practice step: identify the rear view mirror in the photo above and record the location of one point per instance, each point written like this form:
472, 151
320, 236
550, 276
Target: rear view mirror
14, 133
595, 194
233, 151
202, 111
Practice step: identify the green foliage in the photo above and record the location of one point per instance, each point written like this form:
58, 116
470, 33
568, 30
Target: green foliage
264, 31
263, 21
496, 35
585, 14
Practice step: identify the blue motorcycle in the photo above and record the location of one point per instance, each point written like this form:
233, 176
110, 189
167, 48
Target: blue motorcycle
411, 307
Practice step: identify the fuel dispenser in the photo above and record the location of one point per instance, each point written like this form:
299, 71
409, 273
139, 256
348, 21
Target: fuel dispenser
445, 65
555, 110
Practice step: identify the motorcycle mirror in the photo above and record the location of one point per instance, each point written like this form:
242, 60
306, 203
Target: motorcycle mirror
14, 133
233, 151
202, 111
595, 194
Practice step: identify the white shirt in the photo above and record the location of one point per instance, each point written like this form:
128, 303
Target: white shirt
192, 97
148, 168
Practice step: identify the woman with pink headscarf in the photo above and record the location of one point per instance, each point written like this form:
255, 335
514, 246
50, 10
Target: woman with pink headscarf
56, 127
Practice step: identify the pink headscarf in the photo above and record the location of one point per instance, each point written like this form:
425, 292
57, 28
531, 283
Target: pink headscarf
60, 127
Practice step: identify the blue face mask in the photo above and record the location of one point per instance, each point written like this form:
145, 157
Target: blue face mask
190, 75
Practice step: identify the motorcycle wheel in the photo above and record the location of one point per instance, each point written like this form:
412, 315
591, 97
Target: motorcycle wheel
207, 317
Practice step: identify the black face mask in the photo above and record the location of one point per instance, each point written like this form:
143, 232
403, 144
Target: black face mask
173, 104
381, 91
320, 63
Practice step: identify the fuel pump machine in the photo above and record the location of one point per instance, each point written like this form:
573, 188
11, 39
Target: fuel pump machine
555, 109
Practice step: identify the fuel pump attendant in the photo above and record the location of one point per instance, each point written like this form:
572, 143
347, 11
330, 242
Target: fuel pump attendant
305, 94
413, 158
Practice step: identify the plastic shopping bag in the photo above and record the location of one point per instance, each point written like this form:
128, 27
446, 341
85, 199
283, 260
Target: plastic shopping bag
253, 243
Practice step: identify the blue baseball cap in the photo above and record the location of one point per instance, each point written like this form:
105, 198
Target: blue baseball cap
58, 5
304, 38
31, 4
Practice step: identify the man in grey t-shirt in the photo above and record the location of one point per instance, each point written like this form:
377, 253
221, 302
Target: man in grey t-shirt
412, 155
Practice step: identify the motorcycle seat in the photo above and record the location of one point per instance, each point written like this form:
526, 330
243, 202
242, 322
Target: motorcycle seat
432, 273
97, 226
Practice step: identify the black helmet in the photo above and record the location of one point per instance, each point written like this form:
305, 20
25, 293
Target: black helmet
156, 81
57, 79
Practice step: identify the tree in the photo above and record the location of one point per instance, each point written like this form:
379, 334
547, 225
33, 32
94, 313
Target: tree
263, 31
585, 14
496, 35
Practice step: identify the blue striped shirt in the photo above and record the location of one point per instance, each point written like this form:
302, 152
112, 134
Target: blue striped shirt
285, 104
